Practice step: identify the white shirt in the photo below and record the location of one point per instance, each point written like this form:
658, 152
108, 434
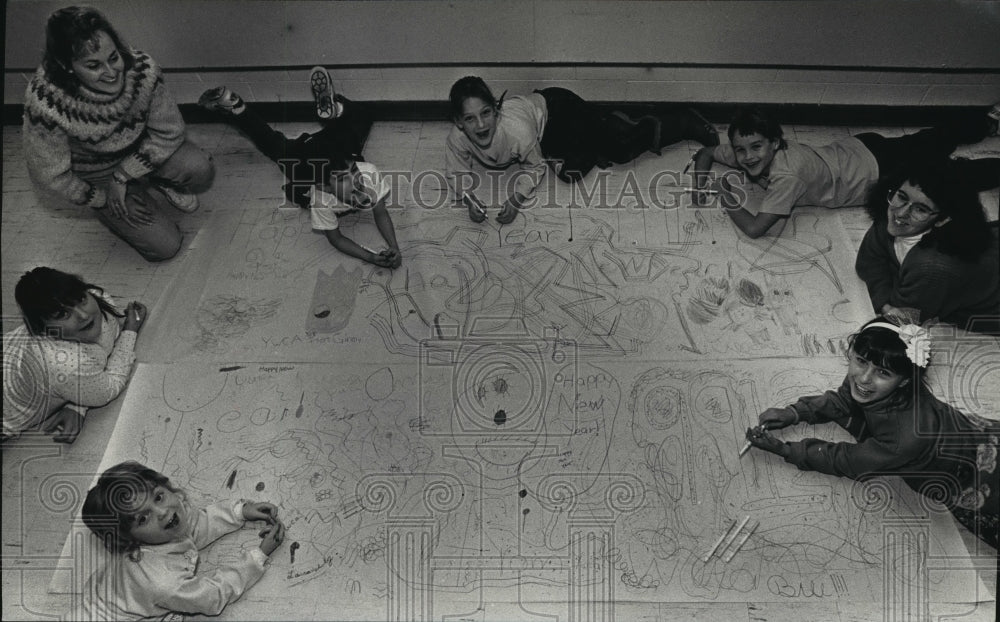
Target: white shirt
164, 578
325, 207
902, 245
517, 141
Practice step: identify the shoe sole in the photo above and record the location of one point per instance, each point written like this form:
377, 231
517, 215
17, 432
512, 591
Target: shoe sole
322, 91
211, 96
189, 207
211, 100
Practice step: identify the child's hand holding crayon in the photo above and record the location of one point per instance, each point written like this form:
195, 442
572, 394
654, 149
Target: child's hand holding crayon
777, 418
507, 214
388, 258
477, 212
762, 439
272, 537
255, 510
393, 257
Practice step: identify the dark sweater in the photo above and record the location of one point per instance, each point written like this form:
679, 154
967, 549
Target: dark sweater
902, 434
939, 285
936, 449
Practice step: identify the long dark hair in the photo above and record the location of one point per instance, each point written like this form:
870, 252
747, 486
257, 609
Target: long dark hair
966, 235
69, 33
109, 509
883, 347
43, 292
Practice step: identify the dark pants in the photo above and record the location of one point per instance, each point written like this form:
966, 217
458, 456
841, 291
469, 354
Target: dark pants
584, 136
937, 142
310, 158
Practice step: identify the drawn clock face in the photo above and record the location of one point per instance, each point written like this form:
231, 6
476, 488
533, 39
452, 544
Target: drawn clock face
489, 396
498, 388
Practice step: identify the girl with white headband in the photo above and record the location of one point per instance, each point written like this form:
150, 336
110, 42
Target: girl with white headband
900, 427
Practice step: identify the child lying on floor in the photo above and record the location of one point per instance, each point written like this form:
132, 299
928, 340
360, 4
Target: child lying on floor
325, 170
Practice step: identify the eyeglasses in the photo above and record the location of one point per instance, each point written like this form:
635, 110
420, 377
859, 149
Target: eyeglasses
918, 211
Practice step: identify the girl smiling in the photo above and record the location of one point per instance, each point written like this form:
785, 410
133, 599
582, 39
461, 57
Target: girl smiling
74, 352
154, 534
900, 428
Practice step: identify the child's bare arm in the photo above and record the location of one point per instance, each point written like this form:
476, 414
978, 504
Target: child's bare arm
753, 226
348, 246
703, 161
383, 221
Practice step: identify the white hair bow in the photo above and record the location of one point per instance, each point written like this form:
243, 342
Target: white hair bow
918, 343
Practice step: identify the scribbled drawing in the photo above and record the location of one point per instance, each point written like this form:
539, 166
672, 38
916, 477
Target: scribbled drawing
580, 289
333, 300
697, 474
786, 255
614, 289
750, 293
726, 311
707, 304
380, 384
223, 318
619, 487
177, 384
455, 284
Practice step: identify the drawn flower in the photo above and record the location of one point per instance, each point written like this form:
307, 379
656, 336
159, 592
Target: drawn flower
973, 499
918, 344
986, 456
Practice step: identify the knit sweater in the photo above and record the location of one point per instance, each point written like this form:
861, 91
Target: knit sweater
939, 285
70, 138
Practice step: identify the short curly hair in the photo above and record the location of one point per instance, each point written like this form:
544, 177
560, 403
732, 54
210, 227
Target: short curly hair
966, 234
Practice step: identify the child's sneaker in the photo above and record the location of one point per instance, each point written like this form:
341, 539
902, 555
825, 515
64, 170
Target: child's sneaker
324, 95
994, 114
183, 201
220, 99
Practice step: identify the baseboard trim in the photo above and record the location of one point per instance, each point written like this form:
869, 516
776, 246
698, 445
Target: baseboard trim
803, 114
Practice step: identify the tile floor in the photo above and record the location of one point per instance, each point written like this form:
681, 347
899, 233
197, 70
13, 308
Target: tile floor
36, 518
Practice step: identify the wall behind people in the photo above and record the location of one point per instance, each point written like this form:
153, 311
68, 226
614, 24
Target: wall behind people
893, 52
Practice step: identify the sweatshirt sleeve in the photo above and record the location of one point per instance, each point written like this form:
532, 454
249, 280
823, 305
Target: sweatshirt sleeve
458, 163
216, 520
880, 453
164, 134
877, 266
210, 592
854, 460
84, 381
832, 406
47, 154
531, 172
